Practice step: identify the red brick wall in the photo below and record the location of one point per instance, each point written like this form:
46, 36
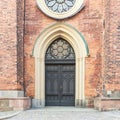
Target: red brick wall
111, 47
89, 21
8, 44
11, 44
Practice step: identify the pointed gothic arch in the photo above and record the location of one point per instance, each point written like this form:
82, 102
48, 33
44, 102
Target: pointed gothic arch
80, 47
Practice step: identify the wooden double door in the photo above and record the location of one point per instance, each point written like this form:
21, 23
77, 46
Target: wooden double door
60, 84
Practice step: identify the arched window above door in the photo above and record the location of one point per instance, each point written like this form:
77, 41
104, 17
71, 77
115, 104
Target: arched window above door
60, 49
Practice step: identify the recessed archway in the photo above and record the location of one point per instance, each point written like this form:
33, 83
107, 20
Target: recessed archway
60, 74
77, 41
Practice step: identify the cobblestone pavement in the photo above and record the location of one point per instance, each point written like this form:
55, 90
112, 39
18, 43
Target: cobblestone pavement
66, 113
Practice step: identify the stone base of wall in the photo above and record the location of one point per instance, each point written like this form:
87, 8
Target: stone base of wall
89, 103
20, 103
106, 104
36, 103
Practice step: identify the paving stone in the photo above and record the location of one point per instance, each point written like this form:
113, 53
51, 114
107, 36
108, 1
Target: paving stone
66, 113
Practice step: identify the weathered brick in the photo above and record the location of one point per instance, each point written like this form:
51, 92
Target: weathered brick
21, 22
8, 44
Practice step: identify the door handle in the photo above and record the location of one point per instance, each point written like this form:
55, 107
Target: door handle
61, 87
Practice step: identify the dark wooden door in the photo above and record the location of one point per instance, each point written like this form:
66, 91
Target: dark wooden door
60, 74
60, 85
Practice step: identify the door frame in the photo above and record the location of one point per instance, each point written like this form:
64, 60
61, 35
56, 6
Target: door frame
77, 41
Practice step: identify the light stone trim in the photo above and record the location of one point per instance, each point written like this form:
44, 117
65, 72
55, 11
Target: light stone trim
81, 51
11, 93
75, 9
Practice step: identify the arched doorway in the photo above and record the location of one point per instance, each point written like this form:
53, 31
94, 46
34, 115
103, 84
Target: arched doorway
60, 74
77, 41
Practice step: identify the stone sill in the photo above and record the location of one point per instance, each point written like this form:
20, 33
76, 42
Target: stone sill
18, 98
108, 98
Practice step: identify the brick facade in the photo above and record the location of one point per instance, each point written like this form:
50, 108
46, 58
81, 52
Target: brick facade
21, 22
8, 45
111, 54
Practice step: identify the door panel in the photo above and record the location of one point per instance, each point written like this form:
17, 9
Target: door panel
52, 84
60, 84
68, 85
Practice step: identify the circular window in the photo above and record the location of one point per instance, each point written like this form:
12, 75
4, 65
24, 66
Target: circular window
60, 6
60, 9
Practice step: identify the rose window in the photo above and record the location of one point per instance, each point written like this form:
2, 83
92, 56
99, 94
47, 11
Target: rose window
60, 9
59, 6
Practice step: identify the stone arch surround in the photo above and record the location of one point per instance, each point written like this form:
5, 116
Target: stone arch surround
80, 47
